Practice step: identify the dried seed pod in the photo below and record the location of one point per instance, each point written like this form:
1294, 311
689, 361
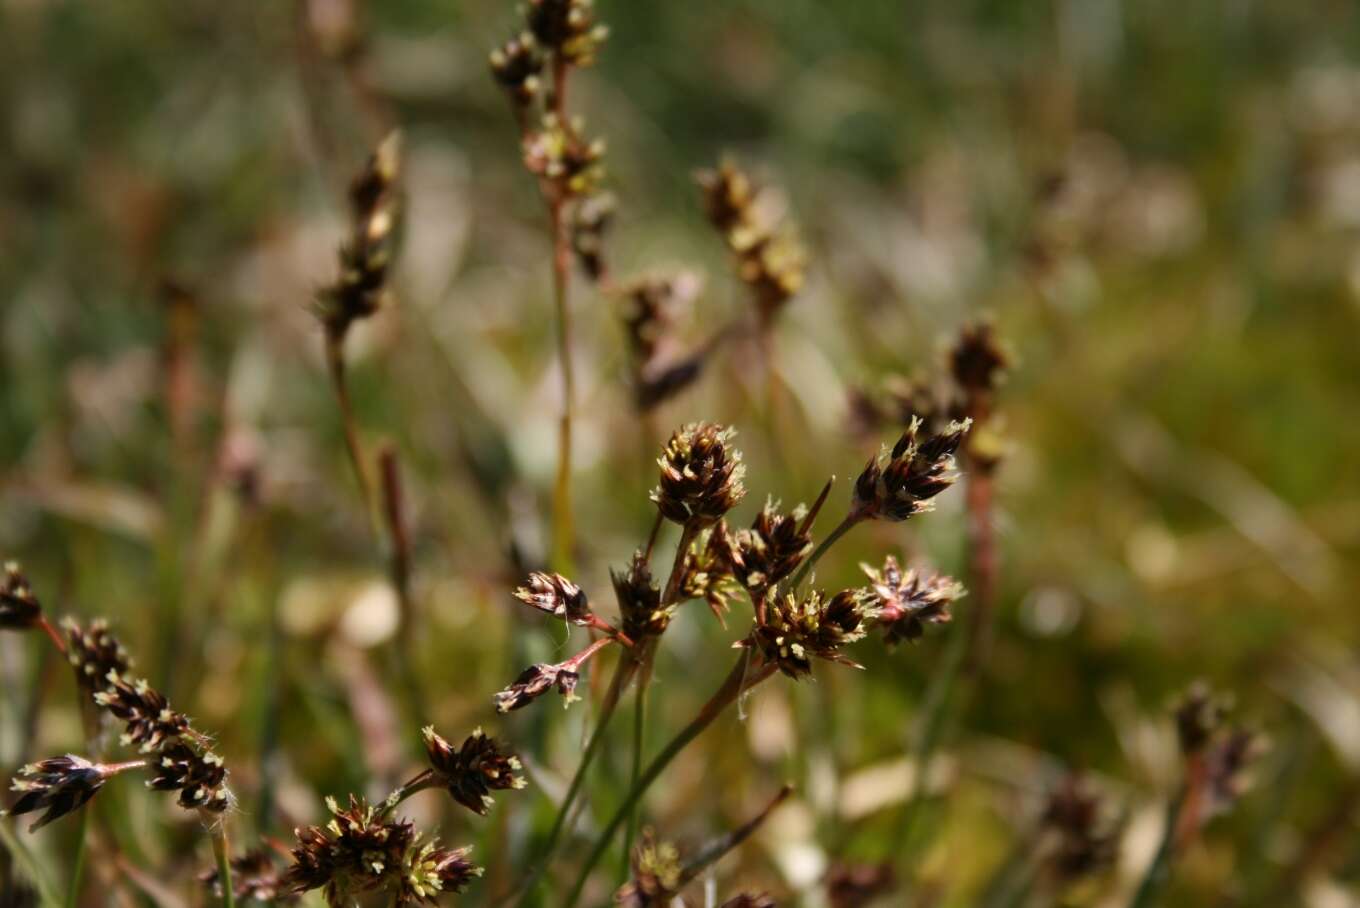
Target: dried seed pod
796, 630
58, 785
904, 603
199, 776
568, 165
655, 874
516, 66
429, 871
537, 680
471, 772
149, 720
20, 609
567, 28
356, 852
361, 288
94, 654
902, 485
701, 475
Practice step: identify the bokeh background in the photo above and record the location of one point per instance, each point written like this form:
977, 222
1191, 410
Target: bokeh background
1158, 204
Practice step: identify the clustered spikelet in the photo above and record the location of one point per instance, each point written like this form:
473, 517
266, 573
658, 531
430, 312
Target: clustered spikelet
640, 600
905, 602
198, 775
149, 721
559, 597
471, 772
568, 165
859, 885
567, 28
978, 361
772, 549
428, 871
360, 290
590, 224
255, 876
904, 483
701, 475
707, 572
1199, 716
19, 607
770, 260
95, 654
1223, 753
655, 874
537, 680
1085, 837
358, 851
661, 369
58, 785
797, 630
516, 66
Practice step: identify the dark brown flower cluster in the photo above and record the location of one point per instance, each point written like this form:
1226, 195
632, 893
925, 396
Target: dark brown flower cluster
707, 572
517, 66
905, 602
567, 29
1086, 835
58, 785
255, 876
978, 362
770, 260
661, 366
1219, 755
472, 771
701, 475
537, 680
360, 851
640, 600
902, 485
19, 608
95, 654
361, 288
568, 165
182, 762
772, 549
797, 630
559, 597
590, 224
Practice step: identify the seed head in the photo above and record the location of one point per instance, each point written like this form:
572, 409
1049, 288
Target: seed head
558, 596
655, 874
568, 165
567, 28
58, 785
199, 776
356, 852
149, 721
640, 600
361, 288
978, 361
94, 654
471, 772
701, 475
859, 885
589, 225
516, 66
1087, 838
770, 550
1199, 716
906, 602
537, 680
429, 871
707, 572
797, 631
661, 369
914, 472
254, 876
19, 608
729, 198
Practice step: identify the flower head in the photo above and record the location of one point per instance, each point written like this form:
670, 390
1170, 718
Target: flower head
1199, 716
796, 630
59, 785
19, 608
567, 28
590, 223
906, 602
655, 874
471, 772
149, 720
537, 680
94, 654
568, 164
640, 600
358, 851
701, 475
707, 572
200, 777
1086, 837
516, 66
770, 550
978, 361
428, 871
914, 472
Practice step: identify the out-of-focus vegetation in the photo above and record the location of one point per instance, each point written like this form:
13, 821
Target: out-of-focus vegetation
1158, 203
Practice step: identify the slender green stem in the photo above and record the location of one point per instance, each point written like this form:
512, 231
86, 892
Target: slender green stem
78, 868
824, 546
335, 360
737, 681
1160, 869
622, 674
422, 780
222, 849
639, 736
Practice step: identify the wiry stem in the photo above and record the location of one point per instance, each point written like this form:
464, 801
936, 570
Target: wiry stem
335, 360
394, 510
824, 546
78, 867
563, 532
719, 847
52, 634
740, 679
1160, 869
222, 850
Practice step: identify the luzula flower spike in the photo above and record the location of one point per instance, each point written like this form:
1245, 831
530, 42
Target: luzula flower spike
796, 631
905, 602
655, 874
902, 485
516, 66
640, 600
199, 776
1086, 837
568, 165
558, 596
95, 654
58, 785
150, 723
567, 28
537, 680
428, 871
471, 772
773, 547
701, 475
20, 609
977, 360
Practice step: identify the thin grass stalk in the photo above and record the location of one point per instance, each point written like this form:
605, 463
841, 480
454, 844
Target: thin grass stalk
222, 850
739, 680
394, 511
32, 867
1159, 870
563, 527
78, 865
721, 846
335, 360
639, 737
841, 529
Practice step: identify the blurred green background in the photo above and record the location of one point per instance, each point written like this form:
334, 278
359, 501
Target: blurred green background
1157, 202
